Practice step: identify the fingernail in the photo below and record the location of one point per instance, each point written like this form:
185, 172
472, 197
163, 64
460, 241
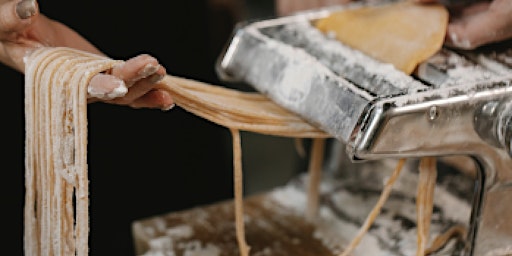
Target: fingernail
26, 9
459, 42
155, 78
169, 107
148, 70
119, 91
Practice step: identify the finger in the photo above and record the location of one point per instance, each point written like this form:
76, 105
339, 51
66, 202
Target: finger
106, 87
156, 98
474, 9
479, 29
284, 7
15, 15
137, 68
139, 89
426, 1
288, 7
26, 8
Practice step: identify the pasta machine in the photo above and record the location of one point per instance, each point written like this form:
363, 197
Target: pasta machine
457, 103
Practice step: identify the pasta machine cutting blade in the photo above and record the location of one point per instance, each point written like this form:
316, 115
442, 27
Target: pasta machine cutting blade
458, 103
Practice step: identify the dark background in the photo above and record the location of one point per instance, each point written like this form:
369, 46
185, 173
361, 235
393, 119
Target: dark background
142, 162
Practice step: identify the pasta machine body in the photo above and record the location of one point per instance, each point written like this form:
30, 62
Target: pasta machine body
476, 124
457, 103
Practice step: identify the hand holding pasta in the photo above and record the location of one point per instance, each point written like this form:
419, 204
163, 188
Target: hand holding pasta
132, 82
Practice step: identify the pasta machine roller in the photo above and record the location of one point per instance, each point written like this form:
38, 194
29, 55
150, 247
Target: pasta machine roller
457, 103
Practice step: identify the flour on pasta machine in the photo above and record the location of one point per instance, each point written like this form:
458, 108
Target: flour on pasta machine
457, 103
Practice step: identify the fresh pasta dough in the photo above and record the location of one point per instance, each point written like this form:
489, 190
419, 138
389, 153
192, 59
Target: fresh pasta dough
56, 199
230, 108
425, 201
250, 112
402, 33
56, 204
370, 219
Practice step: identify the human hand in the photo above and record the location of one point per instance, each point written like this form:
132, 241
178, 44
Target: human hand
471, 26
478, 24
131, 83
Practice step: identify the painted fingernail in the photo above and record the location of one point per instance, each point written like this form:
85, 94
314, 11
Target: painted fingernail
155, 78
119, 91
167, 108
148, 70
26, 9
459, 42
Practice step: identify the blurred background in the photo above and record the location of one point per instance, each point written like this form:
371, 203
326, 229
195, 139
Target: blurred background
148, 162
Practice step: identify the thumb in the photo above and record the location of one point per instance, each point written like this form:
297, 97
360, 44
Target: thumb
15, 14
477, 30
106, 87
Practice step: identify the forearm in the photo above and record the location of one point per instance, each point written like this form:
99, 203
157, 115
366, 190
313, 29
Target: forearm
58, 34
23, 28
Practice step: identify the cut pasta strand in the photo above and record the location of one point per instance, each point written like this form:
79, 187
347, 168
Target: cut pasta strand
315, 175
250, 112
376, 209
238, 184
425, 201
440, 241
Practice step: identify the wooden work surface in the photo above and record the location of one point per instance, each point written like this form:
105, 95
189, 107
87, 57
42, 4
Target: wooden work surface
268, 231
275, 221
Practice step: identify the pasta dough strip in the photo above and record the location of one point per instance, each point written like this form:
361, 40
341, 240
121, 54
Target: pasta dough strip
425, 201
238, 184
376, 209
315, 176
402, 33
56, 202
238, 110
441, 240
250, 112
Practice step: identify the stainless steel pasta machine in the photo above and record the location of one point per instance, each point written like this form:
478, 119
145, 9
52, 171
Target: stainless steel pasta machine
457, 103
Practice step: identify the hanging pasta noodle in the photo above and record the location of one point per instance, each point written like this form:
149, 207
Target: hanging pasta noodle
56, 204
238, 181
376, 209
256, 113
315, 176
425, 202
250, 112
402, 33
56, 201
457, 231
